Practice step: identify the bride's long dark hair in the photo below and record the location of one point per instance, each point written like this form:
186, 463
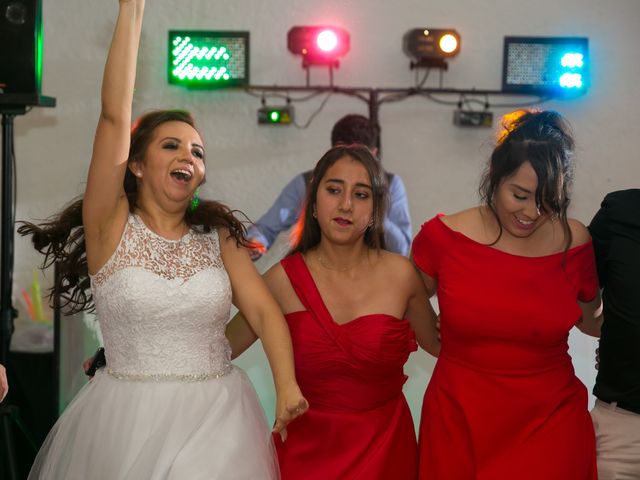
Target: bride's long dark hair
61, 238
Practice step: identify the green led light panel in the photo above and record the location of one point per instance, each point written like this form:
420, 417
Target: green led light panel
206, 59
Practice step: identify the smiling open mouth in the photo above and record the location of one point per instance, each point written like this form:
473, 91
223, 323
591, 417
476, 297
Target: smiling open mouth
182, 175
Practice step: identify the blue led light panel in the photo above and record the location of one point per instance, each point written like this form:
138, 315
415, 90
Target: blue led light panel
546, 65
208, 59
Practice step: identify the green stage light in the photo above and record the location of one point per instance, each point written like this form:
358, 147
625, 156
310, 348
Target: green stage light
206, 59
275, 115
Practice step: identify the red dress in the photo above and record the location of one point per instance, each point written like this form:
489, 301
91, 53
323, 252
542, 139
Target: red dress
504, 401
358, 425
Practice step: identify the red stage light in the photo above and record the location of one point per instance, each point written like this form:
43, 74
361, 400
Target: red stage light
318, 45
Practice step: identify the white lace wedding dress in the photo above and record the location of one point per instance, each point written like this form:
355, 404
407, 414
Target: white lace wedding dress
169, 404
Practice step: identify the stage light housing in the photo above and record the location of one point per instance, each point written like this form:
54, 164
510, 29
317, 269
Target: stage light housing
21, 46
472, 118
556, 66
430, 47
208, 59
318, 45
282, 115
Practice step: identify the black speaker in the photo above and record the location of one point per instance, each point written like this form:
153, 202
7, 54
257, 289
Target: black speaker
20, 46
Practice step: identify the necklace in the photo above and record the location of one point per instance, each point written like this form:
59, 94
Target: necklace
341, 269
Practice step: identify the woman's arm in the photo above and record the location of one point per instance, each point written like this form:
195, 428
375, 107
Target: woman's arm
421, 315
591, 321
105, 205
252, 297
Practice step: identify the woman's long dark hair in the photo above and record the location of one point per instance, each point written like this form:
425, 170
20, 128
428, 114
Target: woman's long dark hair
61, 238
306, 234
544, 139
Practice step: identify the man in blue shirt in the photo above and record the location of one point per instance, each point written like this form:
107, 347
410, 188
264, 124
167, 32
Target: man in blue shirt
351, 129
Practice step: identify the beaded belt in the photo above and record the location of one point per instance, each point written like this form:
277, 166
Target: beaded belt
164, 377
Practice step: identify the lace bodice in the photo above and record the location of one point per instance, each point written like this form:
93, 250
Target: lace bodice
163, 305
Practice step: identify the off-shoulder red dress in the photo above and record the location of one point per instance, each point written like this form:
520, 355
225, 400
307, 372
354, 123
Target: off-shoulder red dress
504, 402
358, 425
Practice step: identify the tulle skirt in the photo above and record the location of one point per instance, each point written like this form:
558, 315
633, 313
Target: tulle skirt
137, 430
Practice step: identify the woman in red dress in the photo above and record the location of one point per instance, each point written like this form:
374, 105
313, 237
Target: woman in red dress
354, 312
512, 276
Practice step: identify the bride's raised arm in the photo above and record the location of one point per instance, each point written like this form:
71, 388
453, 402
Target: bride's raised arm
105, 205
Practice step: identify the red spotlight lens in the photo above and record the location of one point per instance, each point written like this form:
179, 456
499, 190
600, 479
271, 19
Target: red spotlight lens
327, 40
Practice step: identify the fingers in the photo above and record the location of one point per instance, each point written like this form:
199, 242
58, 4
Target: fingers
290, 413
256, 248
255, 255
86, 365
298, 409
280, 426
4, 384
302, 406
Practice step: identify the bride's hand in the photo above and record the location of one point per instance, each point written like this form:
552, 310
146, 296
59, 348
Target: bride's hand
290, 405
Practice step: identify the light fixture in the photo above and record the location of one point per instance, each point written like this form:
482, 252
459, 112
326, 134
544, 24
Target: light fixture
318, 45
21, 46
208, 59
282, 115
472, 118
430, 47
546, 65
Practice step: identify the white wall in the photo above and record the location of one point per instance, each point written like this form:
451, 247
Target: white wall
248, 164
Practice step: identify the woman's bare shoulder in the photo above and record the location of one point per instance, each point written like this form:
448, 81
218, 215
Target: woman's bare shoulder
396, 267
463, 219
579, 233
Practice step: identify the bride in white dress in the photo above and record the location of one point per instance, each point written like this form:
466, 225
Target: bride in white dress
163, 269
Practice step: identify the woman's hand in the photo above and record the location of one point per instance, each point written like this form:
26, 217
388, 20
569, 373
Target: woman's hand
4, 384
290, 404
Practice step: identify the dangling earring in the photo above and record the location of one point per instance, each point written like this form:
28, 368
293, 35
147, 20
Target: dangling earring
314, 213
370, 224
195, 200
